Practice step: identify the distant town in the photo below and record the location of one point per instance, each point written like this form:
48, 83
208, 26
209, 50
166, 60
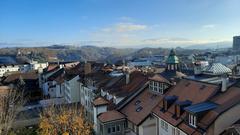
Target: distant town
175, 92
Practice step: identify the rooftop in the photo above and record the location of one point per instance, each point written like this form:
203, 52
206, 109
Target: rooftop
140, 107
110, 116
201, 107
186, 90
99, 101
216, 69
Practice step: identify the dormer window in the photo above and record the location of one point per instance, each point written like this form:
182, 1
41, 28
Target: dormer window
158, 87
192, 120
197, 110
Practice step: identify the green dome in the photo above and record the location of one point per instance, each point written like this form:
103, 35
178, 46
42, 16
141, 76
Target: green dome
172, 58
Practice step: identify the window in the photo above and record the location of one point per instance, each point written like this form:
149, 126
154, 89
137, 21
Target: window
164, 125
137, 102
156, 86
113, 129
192, 120
109, 130
175, 131
160, 88
139, 109
151, 85
118, 128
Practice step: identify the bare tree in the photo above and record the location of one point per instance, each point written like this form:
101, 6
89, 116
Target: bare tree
11, 100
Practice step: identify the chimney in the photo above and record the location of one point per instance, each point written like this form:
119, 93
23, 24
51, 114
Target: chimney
224, 83
179, 107
127, 77
168, 101
87, 68
197, 68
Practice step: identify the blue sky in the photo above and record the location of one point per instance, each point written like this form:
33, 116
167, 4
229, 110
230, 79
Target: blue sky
118, 23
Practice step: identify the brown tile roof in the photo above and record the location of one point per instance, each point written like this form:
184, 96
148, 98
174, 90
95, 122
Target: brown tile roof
159, 78
225, 101
74, 69
194, 91
99, 101
117, 85
186, 128
56, 75
146, 100
99, 77
51, 67
137, 80
25, 76
110, 116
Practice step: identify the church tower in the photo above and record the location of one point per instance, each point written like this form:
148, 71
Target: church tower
172, 63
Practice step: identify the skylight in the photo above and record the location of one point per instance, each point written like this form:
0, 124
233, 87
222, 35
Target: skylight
139, 109
137, 102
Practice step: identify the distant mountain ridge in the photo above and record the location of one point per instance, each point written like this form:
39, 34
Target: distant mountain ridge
90, 53
217, 45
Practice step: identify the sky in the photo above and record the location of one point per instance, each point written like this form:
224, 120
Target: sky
118, 23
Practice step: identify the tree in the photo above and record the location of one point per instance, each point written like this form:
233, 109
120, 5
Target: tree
11, 101
64, 120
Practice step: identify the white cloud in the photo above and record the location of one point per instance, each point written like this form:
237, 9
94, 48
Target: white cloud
124, 27
135, 34
209, 26
175, 41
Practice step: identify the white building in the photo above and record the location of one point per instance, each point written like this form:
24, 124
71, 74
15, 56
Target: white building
34, 65
8, 68
72, 89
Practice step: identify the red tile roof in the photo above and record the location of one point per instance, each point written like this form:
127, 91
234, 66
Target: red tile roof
186, 128
25, 76
146, 100
194, 91
159, 78
121, 89
110, 116
225, 101
51, 67
99, 101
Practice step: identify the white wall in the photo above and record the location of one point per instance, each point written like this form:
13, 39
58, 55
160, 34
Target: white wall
226, 119
148, 127
74, 89
168, 130
96, 111
117, 99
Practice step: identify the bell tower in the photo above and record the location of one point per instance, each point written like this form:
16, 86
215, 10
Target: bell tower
172, 62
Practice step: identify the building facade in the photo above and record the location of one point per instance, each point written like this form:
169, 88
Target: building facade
236, 43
